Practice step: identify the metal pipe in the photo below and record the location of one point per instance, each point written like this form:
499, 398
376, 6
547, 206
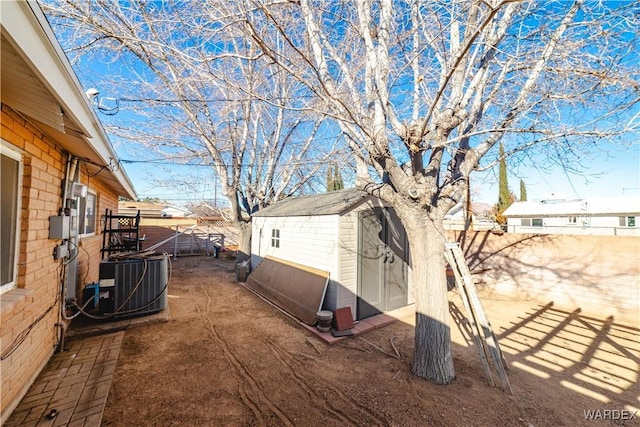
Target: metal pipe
70, 165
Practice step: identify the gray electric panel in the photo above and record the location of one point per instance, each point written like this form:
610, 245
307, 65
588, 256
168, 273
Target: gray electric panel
59, 227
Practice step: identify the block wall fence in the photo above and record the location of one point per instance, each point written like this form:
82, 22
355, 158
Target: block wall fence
598, 274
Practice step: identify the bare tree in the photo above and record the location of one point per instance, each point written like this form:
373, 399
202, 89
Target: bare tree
197, 91
425, 90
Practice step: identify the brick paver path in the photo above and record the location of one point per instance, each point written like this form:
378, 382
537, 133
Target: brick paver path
72, 390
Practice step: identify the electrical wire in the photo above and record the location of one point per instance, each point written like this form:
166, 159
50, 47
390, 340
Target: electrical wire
210, 164
119, 311
22, 336
80, 311
76, 254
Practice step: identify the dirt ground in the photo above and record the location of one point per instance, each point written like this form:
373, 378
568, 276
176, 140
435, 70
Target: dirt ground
226, 358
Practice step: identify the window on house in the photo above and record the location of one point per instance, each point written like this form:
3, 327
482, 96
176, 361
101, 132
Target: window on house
536, 222
573, 220
87, 214
526, 222
627, 221
275, 238
11, 172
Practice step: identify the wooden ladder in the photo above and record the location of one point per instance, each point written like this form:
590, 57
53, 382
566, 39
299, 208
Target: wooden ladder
483, 335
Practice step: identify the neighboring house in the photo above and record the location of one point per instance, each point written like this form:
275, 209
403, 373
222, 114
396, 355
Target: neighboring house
348, 233
173, 212
480, 218
147, 209
58, 172
617, 216
151, 210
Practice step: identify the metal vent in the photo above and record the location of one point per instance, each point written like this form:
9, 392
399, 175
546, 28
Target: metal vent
139, 285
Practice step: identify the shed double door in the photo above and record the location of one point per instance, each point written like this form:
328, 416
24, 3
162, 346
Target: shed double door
382, 262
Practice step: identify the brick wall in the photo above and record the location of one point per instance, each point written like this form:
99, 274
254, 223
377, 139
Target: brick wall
29, 313
598, 274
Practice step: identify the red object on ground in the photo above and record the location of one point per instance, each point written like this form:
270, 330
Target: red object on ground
343, 318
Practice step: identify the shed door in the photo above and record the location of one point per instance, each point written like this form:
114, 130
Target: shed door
382, 262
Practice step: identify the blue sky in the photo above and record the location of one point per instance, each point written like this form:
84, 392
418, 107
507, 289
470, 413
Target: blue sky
614, 171
614, 174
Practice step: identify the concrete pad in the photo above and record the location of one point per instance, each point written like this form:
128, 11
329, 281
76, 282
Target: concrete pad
83, 326
380, 320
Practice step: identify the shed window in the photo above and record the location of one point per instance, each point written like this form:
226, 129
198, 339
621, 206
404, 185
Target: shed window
573, 220
11, 172
536, 222
275, 238
627, 221
526, 222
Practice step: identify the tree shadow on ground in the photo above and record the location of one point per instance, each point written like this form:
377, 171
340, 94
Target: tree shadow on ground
594, 358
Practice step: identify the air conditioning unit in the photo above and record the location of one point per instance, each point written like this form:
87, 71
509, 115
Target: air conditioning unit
132, 287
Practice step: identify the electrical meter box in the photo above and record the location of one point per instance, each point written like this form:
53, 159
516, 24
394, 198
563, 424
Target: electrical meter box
59, 227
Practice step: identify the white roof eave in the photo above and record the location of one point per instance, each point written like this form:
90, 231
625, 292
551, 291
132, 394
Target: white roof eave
24, 23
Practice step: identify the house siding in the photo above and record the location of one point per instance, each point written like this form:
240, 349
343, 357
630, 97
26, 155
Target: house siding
585, 226
596, 216
37, 283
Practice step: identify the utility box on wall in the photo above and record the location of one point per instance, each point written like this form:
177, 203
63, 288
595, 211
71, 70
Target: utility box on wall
59, 227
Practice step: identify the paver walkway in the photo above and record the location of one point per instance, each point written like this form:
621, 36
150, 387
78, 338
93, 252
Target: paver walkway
72, 390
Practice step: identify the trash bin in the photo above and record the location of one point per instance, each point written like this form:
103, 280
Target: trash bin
242, 271
324, 320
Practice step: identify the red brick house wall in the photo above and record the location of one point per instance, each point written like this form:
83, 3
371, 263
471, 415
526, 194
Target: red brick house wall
30, 313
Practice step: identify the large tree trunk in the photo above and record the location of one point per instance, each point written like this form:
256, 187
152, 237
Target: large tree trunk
432, 358
244, 242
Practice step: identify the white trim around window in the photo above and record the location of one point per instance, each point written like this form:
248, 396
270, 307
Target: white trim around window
11, 196
275, 238
87, 214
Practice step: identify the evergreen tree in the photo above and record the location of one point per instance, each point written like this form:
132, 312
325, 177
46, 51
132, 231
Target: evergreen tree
330, 178
523, 192
338, 183
334, 178
504, 195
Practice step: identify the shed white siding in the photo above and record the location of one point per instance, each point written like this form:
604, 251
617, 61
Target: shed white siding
306, 240
327, 242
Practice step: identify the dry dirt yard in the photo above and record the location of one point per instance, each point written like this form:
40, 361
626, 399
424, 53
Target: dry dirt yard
226, 358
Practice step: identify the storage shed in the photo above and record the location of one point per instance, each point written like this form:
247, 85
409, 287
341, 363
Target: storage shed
348, 233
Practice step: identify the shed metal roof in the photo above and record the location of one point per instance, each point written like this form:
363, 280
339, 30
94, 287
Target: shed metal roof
331, 203
596, 206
